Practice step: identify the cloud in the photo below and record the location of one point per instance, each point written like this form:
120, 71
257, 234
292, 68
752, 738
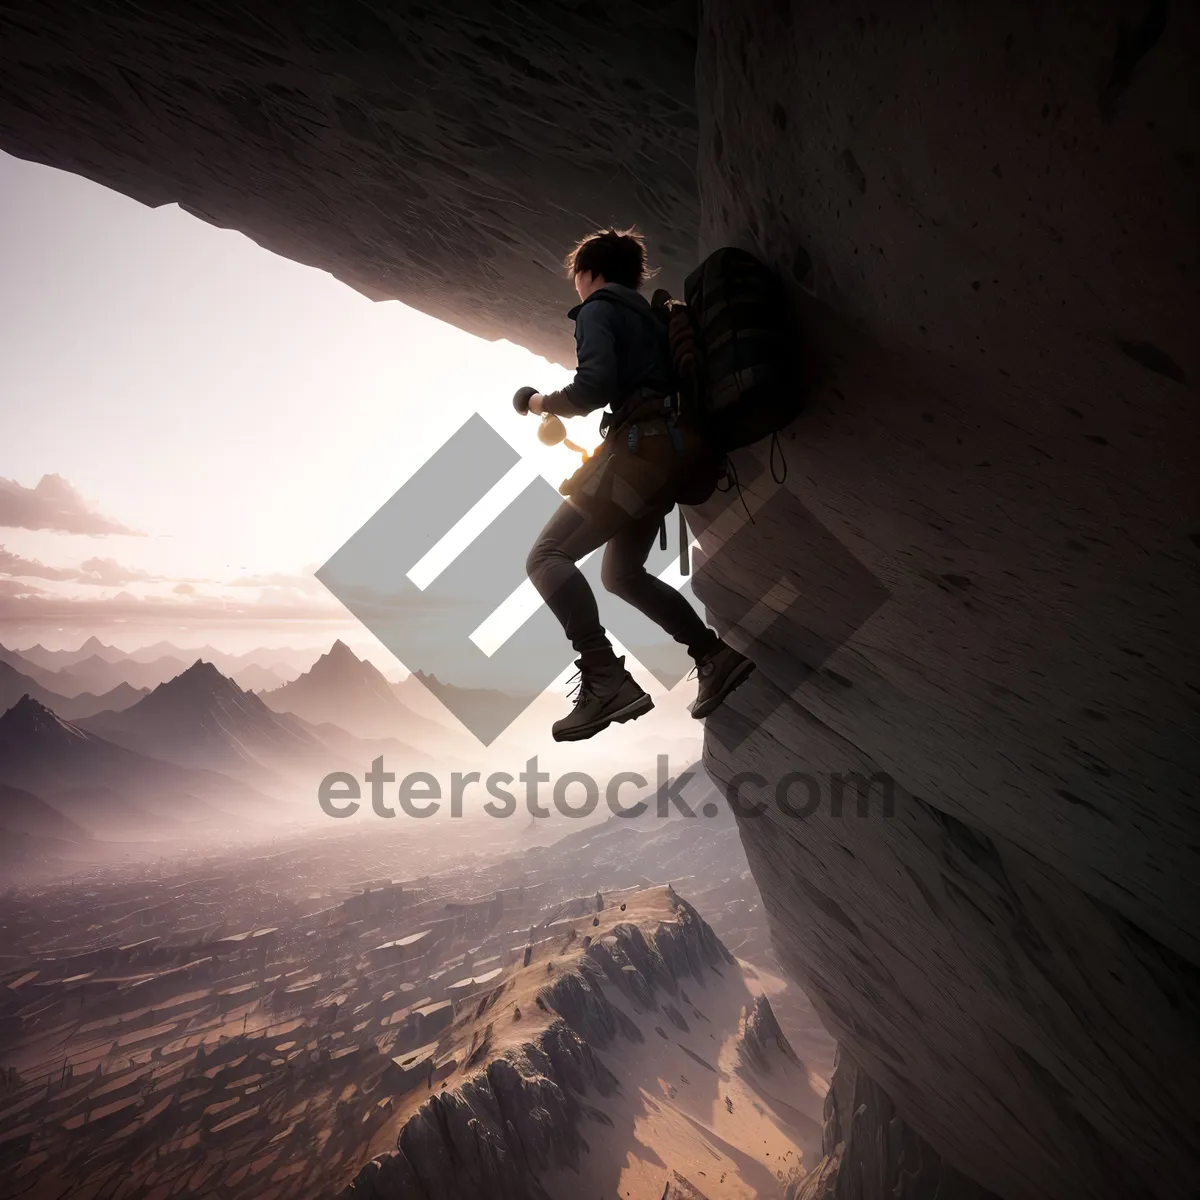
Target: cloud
14, 564
102, 572
110, 573
16, 589
53, 504
22, 603
300, 583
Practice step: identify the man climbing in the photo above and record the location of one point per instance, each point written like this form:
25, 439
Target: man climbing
650, 460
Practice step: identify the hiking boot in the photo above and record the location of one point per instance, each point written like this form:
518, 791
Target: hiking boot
719, 672
604, 695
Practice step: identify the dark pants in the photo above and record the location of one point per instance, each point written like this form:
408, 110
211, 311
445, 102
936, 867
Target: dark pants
627, 530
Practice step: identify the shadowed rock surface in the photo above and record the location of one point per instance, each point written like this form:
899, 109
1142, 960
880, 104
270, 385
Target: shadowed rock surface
444, 155
987, 217
499, 1130
682, 1189
984, 230
869, 1151
762, 1041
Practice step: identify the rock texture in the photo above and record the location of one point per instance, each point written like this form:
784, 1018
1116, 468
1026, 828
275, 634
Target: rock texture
869, 1151
496, 1133
760, 1040
445, 155
519, 1116
987, 215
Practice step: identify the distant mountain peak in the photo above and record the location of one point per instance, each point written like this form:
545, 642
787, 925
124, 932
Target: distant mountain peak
342, 689
204, 669
26, 706
200, 677
28, 718
340, 662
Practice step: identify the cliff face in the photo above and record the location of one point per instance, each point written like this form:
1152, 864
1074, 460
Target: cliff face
870, 1151
986, 215
998, 205
445, 155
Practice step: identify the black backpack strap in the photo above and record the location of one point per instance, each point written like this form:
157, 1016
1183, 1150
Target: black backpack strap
685, 566
730, 481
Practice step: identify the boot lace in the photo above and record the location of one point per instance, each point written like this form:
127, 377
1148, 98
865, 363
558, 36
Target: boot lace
581, 687
703, 668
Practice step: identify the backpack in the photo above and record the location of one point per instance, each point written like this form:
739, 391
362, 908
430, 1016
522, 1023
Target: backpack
728, 350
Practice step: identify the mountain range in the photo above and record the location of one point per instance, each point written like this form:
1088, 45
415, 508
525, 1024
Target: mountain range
202, 718
284, 661
22, 812
33, 836
344, 690
109, 789
97, 668
198, 753
14, 685
56, 660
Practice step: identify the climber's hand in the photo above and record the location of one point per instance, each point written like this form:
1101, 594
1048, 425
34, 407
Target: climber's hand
522, 398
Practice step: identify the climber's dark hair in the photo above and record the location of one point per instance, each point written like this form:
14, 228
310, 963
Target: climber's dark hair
617, 254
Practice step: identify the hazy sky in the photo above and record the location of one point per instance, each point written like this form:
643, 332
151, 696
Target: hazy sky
240, 414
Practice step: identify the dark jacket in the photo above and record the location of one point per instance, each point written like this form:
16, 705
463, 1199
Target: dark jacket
621, 350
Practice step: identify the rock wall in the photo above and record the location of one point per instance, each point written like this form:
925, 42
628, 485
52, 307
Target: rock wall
870, 1152
445, 155
987, 216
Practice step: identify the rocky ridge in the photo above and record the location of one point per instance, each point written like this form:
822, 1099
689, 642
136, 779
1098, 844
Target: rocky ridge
521, 1114
760, 1040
